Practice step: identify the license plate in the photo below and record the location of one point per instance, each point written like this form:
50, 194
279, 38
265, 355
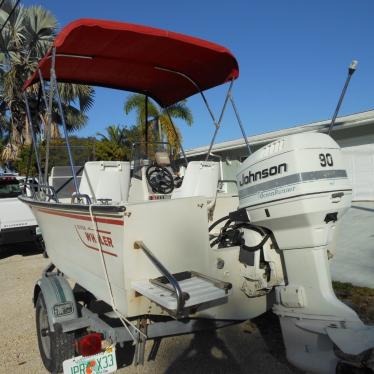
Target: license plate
101, 363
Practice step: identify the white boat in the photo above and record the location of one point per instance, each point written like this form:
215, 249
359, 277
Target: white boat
149, 249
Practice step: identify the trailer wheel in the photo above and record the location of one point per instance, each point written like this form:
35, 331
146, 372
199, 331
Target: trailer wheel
55, 346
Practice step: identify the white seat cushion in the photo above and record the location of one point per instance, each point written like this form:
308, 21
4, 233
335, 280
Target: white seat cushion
106, 180
200, 179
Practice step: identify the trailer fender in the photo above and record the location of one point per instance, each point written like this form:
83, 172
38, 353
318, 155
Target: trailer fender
59, 299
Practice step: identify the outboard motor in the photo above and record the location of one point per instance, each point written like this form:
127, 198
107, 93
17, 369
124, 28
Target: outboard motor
296, 188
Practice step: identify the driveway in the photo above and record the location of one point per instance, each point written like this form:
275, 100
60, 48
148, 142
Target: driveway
243, 348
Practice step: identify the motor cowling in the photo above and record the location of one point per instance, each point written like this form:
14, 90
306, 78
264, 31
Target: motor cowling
297, 187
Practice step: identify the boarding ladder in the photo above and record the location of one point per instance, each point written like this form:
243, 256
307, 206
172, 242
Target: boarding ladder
181, 293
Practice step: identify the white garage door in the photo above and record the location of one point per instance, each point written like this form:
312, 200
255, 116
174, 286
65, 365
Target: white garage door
360, 168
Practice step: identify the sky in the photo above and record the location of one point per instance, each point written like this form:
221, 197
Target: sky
293, 57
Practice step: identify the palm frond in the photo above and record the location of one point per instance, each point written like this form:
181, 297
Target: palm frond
9, 152
172, 133
102, 136
74, 118
181, 111
80, 93
12, 36
115, 134
40, 26
136, 102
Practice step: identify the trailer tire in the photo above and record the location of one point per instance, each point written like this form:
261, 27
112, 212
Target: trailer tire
55, 346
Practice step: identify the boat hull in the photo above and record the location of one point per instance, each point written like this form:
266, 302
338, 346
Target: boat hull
175, 230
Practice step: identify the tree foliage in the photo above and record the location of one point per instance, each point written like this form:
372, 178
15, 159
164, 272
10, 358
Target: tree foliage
83, 150
136, 102
26, 38
117, 143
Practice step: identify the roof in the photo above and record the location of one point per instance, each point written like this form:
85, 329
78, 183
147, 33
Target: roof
343, 122
137, 58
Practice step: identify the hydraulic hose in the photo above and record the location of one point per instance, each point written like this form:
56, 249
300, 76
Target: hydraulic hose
231, 234
213, 225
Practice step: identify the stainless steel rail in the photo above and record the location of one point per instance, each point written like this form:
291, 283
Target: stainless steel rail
180, 295
222, 181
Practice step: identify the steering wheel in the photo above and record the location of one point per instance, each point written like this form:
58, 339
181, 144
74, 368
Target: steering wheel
160, 179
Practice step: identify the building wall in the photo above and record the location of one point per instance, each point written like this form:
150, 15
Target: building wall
359, 135
360, 168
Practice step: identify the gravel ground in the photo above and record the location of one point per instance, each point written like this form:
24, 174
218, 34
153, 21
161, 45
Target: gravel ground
244, 348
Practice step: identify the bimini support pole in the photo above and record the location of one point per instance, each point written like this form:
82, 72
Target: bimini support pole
59, 103
195, 85
146, 125
47, 124
33, 136
240, 123
216, 124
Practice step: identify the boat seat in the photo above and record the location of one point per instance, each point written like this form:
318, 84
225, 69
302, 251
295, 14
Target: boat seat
200, 179
106, 180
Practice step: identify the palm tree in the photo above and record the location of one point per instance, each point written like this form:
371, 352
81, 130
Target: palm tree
177, 111
26, 38
115, 135
117, 143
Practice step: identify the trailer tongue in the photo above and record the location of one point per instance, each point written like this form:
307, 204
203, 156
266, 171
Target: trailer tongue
152, 256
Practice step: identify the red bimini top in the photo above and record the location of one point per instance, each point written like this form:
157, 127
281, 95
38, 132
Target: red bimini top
136, 58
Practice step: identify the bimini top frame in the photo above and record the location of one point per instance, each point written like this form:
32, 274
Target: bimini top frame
163, 65
137, 58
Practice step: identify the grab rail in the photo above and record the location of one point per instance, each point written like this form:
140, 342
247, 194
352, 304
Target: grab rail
77, 198
48, 191
181, 296
222, 181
